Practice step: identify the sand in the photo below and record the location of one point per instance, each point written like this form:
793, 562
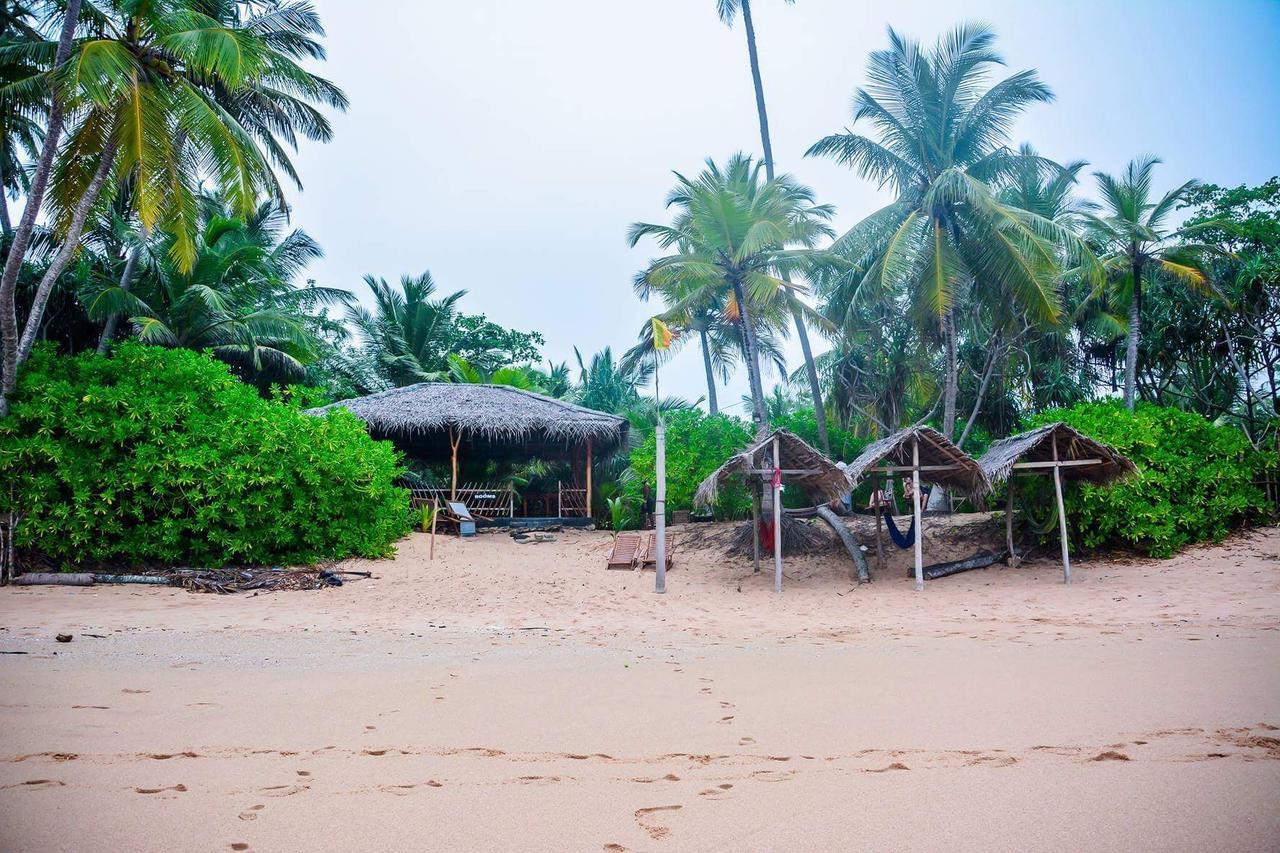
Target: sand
520, 697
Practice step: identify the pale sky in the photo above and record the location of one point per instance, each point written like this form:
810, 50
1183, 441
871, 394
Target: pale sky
506, 146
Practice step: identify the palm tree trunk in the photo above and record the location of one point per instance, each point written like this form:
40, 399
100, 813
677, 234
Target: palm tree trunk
711, 374
993, 355
126, 281
70, 245
753, 358
26, 225
811, 369
6, 226
1135, 331
953, 378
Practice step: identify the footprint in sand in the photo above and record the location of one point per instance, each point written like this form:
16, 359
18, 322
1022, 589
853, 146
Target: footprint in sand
1111, 755
746, 741
239, 845
132, 690
252, 812
303, 772
36, 783
282, 790
645, 818
897, 765
180, 788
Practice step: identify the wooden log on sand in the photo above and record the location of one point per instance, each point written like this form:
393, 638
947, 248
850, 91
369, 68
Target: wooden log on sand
54, 579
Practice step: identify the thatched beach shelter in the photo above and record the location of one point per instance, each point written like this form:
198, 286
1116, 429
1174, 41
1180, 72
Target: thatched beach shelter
1063, 452
763, 466
456, 422
928, 457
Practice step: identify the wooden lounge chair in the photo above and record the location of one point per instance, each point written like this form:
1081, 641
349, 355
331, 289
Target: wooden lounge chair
455, 515
625, 546
648, 558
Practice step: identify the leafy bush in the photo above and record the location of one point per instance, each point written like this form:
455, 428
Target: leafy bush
158, 455
1196, 480
696, 445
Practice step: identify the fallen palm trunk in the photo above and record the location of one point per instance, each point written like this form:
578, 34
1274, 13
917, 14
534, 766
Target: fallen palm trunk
221, 581
977, 561
851, 545
54, 579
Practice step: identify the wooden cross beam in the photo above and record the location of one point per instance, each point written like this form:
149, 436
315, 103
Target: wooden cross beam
794, 472
891, 469
1054, 463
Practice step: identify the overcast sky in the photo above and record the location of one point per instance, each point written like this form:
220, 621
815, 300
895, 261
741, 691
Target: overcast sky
506, 145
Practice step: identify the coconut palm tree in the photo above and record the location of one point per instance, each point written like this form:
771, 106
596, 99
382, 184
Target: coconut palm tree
1135, 244
21, 122
941, 144
409, 330
732, 232
728, 10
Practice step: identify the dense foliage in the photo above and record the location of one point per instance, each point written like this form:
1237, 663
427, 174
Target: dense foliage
1196, 482
696, 445
162, 456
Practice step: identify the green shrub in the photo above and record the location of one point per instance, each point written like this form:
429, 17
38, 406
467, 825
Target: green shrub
1196, 481
845, 446
697, 444
161, 456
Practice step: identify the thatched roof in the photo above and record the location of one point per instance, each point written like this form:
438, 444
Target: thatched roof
827, 482
1037, 446
963, 474
494, 412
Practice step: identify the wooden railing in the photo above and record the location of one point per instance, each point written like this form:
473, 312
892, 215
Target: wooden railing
483, 501
573, 502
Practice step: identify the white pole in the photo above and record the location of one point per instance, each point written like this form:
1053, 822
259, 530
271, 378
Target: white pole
777, 521
660, 496
915, 509
1062, 514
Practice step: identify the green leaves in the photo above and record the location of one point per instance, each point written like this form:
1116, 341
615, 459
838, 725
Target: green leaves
161, 456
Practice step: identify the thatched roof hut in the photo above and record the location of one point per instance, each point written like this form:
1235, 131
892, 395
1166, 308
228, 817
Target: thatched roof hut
941, 462
818, 475
1072, 447
425, 413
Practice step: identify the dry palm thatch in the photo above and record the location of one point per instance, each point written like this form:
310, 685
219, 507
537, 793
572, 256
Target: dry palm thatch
822, 478
962, 473
1037, 446
495, 412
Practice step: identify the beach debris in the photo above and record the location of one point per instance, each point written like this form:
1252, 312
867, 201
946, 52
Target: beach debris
526, 538
63, 638
222, 581
54, 579
978, 561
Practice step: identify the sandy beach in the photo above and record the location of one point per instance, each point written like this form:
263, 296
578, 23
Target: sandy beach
510, 697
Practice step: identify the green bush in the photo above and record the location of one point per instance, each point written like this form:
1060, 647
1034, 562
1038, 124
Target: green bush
1196, 481
162, 456
697, 444
845, 446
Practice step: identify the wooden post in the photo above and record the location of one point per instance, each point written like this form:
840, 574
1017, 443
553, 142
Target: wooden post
588, 476
435, 515
915, 509
1062, 514
453, 456
1014, 559
755, 529
559, 499
777, 521
875, 485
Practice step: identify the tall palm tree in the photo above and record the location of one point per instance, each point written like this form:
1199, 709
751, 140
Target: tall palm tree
409, 332
1136, 245
21, 121
141, 119
732, 232
728, 10
941, 143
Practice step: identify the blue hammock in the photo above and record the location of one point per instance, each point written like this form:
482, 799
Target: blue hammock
905, 540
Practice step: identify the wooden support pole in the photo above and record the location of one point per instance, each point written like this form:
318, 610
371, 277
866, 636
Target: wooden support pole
435, 516
878, 487
915, 509
453, 457
777, 522
588, 476
755, 530
1014, 559
1062, 515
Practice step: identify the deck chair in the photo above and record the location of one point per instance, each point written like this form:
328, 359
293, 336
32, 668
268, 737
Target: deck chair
625, 546
456, 516
649, 553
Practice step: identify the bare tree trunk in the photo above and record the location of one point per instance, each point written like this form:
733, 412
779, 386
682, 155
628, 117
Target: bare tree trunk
26, 225
811, 370
66, 252
711, 374
952, 378
126, 281
753, 358
992, 357
6, 226
1135, 331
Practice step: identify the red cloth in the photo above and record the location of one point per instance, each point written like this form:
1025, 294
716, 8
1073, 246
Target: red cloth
766, 535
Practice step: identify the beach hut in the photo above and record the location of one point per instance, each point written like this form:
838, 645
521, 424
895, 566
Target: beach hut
1057, 450
928, 457
471, 424
764, 465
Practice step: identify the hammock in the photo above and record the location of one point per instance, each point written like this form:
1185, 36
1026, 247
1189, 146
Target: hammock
905, 540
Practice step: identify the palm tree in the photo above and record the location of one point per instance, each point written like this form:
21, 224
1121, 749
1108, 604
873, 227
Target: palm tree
138, 87
238, 299
21, 122
728, 10
941, 143
1135, 246
409, 332
732, 232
